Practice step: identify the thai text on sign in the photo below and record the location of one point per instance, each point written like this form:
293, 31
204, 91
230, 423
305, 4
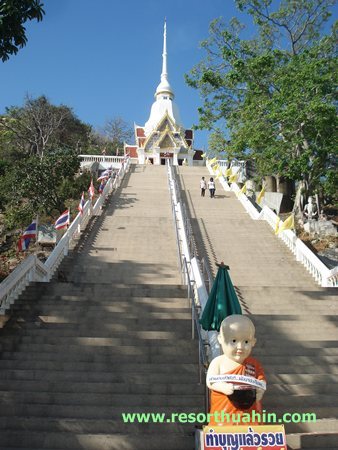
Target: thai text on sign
267, 437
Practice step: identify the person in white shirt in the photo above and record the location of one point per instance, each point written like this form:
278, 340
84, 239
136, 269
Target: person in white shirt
211, 187
203, 185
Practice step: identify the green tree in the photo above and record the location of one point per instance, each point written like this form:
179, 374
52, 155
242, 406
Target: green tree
274, 92
37, 185
13, 15
73, 133
39, 127
116, 131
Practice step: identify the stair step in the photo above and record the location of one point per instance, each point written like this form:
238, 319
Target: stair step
298, 360
277, 369
285, 378
73, 301
310, 401
327, 348
274, 320
302, 389
127, 307
113, 323
283, 349
147, 354
100, 375
310, 311
270, 402
93, 412
92, 426
104, 355
319, 426
114, 366
321, 412
312, 440
82, 314
107, 289
8, 398
54, 330
97, 342
169, 387
84, 441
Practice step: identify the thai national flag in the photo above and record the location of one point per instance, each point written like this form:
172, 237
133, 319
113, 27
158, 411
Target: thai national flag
63, 220
81, 204
27, 235
101, 187
103, 177
106, 173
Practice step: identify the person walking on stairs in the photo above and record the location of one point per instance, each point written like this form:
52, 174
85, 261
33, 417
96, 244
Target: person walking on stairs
211, 187
203, 185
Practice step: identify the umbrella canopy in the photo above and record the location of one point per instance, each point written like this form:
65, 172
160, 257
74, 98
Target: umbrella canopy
222, 301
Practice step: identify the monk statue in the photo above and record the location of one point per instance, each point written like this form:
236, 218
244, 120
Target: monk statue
236, 380
310, 210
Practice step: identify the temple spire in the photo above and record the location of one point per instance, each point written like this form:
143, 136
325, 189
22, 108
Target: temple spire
164, 74
164, 87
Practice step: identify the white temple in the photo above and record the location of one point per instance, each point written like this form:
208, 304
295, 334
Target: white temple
163, 136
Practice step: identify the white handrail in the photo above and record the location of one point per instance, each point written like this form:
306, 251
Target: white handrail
31, 269
102, 158
322, 274
192, 272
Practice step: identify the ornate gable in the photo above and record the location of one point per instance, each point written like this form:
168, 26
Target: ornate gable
166, 123
166, 135
166, 139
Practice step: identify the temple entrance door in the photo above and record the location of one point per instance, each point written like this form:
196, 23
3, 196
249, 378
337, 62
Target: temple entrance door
165, 156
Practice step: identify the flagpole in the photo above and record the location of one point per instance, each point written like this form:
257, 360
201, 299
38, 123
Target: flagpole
37, 229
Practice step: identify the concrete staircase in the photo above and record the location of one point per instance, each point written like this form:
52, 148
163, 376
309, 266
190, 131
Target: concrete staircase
110, 335
296, 321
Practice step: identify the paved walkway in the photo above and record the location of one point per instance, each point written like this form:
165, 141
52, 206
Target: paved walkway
296, 320
224, 231
127, 243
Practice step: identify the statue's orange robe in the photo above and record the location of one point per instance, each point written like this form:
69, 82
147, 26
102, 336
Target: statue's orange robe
220, 402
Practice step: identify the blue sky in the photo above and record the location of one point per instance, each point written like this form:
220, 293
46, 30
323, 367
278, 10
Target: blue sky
103, 58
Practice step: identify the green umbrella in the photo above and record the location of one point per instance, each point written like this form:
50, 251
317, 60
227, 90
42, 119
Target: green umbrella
222, 301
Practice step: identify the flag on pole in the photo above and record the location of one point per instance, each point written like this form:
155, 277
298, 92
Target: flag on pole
228, 172
277, 225
63, 221
233, 178
29, 233
288, 224
203, 155
103, 176
261, 195
212, 161
107, 172
81, 204
101, 187
91, 190
243, 190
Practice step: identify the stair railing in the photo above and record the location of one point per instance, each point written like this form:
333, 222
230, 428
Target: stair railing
324, 276
203, 362
207, 276
31, 269
189, 275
